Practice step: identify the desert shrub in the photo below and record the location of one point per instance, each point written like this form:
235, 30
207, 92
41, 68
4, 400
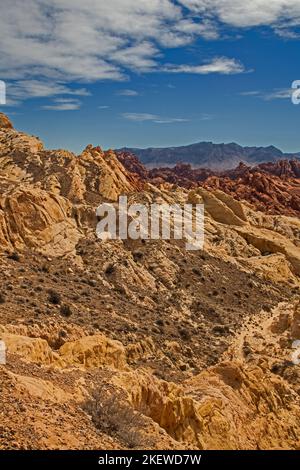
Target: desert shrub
185, 334
54, 297
45, 268
112, 414
109, 269
2, 298
85, 293
137, 256
221, 329
197, 271
14, 256
66, 310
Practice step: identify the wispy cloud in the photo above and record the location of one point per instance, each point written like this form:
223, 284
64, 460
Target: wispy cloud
221, 65
103, 107
241, 14
141, 117
206, 117
63, 104
276, 94
251, 93
127, 92
287, 33
38, 40
22, 90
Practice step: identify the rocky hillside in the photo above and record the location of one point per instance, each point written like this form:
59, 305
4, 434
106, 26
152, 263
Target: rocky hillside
187, 349
208, 155
273, 188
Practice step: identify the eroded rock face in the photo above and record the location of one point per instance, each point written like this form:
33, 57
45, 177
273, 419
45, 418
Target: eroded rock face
94, 351
273, 187
5, 122
267, 192
46, 196
228, 406
35, 218
189, 349
282, 168
132, 164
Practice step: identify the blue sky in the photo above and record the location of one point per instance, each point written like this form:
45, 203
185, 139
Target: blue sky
161, 73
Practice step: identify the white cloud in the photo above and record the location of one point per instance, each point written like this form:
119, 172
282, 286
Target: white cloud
64, 41
141, 117
251, 93
90, 40
248, 13
127, 92
287, 33
139, 57
162, 120
21, 90
103, 107
72, 40
276, 94
222, 65
63, 104
40, 89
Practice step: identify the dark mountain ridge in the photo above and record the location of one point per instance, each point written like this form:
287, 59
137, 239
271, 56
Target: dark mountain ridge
209, 155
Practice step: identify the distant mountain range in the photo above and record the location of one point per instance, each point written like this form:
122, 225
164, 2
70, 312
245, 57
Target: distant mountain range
209, 155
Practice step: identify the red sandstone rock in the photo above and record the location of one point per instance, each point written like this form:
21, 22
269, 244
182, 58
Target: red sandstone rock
273, 188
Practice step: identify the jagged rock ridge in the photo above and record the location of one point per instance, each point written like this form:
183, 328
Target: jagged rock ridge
186, 349
270, 187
